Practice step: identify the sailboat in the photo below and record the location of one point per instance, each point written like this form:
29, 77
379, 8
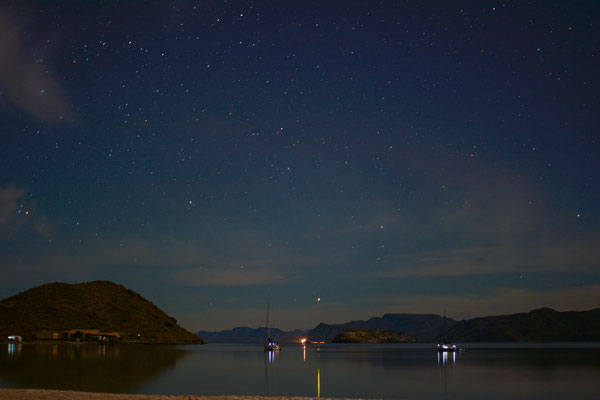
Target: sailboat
270, 345
445, 346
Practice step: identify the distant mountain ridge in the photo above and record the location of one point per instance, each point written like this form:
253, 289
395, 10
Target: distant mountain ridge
355, 335
423, 326
541, 325
245, 334
98, 305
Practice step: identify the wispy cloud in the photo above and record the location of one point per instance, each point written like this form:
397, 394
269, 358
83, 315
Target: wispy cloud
25, 78
463, 216
186, 262
9, 196
452, 262
459, 306
226, 276
497, 301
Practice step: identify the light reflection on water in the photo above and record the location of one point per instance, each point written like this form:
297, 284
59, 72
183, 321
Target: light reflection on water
328, 370
445, 357
12, 348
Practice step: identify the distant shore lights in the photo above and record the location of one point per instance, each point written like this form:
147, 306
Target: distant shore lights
303, 342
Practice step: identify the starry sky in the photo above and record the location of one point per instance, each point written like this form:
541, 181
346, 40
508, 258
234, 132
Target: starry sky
347, 158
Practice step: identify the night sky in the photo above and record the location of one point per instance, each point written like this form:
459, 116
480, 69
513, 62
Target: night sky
348, 158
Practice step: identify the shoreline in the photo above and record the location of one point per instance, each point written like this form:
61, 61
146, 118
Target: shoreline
43, 394
106, 343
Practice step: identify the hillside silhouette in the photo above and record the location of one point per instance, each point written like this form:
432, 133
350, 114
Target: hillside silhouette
541, 325
423, 326
102, 305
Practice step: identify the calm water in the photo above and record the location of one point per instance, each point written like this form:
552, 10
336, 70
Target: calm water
404, 371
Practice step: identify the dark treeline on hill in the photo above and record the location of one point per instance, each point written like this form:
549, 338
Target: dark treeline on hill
542, 325
101, 305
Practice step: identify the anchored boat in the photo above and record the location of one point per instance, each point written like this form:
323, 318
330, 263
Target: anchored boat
445, 346
270, 345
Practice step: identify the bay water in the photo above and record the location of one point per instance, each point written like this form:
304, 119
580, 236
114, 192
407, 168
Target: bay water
385, 371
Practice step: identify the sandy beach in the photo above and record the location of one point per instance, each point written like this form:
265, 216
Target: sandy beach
39, 394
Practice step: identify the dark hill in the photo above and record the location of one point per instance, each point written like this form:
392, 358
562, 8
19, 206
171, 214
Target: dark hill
424, 326
373, 336
102, 305
542, 325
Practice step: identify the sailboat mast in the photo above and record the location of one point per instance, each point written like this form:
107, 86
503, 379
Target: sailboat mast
269, 344
444, 330
268, 330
